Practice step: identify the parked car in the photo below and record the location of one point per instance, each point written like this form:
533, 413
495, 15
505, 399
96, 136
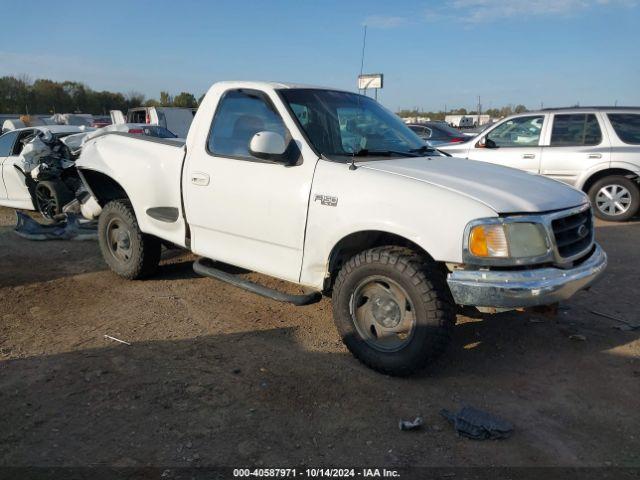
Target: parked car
594, 149
437, 133
396, 234
101, 121
37, 167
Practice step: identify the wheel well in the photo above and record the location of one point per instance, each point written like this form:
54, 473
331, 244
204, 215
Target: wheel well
605, 173
357, 242
102, 187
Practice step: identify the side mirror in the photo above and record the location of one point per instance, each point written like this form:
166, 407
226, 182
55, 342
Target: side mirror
268, 146
486, 143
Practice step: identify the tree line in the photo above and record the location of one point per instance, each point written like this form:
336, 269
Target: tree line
21, 95
439, 115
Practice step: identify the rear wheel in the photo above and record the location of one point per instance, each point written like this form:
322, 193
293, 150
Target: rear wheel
128, 252
393, 309
615, 198
51, 196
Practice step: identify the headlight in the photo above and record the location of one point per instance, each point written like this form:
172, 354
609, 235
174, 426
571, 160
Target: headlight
488, 241
507, 240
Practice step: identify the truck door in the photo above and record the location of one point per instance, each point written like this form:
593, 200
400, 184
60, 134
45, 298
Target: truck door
575, 144
514, 143
240, 209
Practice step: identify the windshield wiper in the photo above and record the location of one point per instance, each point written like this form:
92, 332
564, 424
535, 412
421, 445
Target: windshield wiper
423, 149
363, 152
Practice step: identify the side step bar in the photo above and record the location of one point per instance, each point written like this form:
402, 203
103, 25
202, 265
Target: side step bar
200, 267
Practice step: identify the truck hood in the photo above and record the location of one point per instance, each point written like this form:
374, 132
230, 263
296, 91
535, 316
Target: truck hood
503, 189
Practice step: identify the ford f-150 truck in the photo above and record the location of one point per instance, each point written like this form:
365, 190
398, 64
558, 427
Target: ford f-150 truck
330, 191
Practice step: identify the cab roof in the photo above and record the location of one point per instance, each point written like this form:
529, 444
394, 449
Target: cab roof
270, 85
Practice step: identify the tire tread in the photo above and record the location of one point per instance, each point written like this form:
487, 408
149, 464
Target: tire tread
424, 274
147, 248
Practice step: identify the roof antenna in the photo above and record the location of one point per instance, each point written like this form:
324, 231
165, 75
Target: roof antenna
364, 44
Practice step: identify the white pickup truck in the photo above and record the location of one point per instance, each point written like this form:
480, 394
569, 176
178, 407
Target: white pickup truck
330, 191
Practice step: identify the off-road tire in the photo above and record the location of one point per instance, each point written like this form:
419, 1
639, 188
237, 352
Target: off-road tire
58, 194
425, 283
627, 183
145, 249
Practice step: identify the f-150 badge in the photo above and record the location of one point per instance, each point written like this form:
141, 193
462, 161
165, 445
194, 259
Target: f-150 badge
327, 200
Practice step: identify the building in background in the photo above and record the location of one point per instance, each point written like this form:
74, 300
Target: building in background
469, 120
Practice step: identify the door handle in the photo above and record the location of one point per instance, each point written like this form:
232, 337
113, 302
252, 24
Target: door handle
594, 155
528, 155
199, 178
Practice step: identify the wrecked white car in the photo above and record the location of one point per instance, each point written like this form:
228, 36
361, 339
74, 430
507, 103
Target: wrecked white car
38, 168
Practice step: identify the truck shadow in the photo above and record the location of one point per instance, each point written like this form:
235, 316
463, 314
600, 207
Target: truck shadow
289, 396
257, 396
27, 262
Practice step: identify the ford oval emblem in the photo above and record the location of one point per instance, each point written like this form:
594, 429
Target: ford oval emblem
583, 231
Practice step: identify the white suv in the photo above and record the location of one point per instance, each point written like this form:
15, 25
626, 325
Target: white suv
595, 149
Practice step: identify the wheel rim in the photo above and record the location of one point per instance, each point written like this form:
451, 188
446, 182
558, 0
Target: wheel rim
613, 200
382, 313
47, 204
119, 240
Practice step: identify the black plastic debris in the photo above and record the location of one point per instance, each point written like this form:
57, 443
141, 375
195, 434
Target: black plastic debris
73, 228
414, 424
478, 425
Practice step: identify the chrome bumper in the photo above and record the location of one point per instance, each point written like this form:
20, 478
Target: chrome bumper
524, 288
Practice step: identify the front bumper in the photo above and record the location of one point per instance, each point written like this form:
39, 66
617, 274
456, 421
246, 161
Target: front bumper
524, 288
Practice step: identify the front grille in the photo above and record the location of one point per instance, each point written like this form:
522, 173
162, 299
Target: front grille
574, 233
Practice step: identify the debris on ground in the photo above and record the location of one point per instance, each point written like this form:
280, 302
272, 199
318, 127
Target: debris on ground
478, 425
627, 325
414, 424
577, 337
536, 320
627, 328
73, 228
116, 340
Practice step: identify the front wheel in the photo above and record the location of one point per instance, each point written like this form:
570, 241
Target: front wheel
615, 198
128, 252
393, 309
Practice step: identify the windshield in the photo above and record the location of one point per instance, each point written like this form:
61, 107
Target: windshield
342, 124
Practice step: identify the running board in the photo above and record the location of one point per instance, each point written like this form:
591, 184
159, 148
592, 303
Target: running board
201, 268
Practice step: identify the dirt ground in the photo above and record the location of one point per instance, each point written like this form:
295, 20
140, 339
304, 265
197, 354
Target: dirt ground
217, 376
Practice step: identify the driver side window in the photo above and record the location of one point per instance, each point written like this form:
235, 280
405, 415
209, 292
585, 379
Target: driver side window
6, 143
517, 132
23, 137
240, 115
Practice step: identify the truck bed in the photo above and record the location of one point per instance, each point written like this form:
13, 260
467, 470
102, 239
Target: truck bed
149, 170
174, 142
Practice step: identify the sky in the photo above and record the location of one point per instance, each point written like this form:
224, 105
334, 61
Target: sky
432, 53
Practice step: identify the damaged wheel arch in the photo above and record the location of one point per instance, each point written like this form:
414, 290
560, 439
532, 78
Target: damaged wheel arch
101, 186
